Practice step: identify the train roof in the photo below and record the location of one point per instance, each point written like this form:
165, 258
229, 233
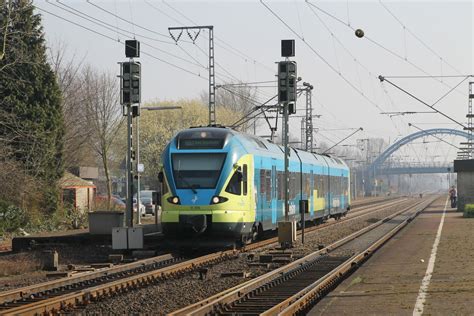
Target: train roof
219, 137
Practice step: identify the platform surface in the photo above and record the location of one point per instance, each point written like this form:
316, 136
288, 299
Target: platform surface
390, 282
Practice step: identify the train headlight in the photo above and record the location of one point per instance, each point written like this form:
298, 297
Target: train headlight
218, 199
173, 200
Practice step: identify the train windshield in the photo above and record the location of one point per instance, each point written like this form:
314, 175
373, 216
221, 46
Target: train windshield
197, 171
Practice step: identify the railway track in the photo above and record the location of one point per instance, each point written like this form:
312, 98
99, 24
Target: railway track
79, 290
295, 287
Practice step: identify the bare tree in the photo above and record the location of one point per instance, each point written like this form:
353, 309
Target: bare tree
77, 151
235, 96
103, 113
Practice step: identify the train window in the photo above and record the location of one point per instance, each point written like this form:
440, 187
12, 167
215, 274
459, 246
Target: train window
234, 187
268, 185
197, 170
262, 181
293, 185
245, 179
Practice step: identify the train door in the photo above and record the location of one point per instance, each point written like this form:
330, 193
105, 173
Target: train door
274, 195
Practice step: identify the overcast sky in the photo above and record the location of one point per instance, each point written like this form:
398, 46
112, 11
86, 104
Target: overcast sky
403, 38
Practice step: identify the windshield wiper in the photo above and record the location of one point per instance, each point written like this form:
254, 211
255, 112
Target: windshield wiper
190, 186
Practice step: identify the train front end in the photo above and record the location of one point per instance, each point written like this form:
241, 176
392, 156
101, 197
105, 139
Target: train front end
206, 173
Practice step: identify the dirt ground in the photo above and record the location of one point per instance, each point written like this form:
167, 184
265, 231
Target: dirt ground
389, 282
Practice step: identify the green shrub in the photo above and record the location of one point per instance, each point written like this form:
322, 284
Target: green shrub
469, 210
12, 218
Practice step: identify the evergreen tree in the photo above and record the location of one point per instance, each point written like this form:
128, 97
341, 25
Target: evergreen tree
31, 122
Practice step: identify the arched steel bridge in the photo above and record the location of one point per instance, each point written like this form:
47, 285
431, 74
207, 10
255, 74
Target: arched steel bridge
376, 166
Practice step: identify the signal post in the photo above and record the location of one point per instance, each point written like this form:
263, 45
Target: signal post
130, 96
287, 80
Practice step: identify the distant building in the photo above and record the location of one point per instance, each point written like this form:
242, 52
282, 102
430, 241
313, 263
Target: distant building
77, 192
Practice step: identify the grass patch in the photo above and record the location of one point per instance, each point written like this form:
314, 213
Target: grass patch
469, 211
18, 264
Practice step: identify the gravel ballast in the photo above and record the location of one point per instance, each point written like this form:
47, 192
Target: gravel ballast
173, 294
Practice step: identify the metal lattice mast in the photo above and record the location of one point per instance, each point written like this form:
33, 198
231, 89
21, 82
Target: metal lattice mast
211, 67
212, 79
309, 120
469, 120
303, 134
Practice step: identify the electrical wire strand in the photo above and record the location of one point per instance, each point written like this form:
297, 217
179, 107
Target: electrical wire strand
221, 42
110, 27
417, 37
119, 41
322, 58
381, 46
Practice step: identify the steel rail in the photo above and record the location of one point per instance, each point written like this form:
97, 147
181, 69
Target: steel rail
28, 291
83, 297
225, 298
380, 206
304, 299
40, 291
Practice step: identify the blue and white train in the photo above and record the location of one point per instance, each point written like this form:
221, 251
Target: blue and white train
221, 182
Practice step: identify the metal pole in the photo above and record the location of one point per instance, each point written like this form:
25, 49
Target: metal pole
139, 214
129, 210
285, 144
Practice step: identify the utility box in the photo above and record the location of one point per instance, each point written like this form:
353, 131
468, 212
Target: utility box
287, 232
135, 238
102, 222
119, 238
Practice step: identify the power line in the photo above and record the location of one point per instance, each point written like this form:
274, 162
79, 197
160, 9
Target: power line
119, 41
322, 58
231, 48
419, 77
416, 37
127, 21
99, 22
379, 45
421, 101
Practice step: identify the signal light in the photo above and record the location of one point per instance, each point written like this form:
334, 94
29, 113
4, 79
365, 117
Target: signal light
130, 84
287, 80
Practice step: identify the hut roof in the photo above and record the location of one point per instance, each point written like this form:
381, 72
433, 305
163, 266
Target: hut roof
71, 181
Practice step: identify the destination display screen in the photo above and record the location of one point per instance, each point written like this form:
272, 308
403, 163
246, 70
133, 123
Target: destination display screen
201, 143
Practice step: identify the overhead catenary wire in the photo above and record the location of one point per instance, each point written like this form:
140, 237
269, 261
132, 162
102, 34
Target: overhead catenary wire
110, 27
376, 43
321, 57
439, 138
421, 101
220, 42
119, 41
417, 37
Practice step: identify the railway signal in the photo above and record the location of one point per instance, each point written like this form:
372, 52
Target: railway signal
130, 87
287, 79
